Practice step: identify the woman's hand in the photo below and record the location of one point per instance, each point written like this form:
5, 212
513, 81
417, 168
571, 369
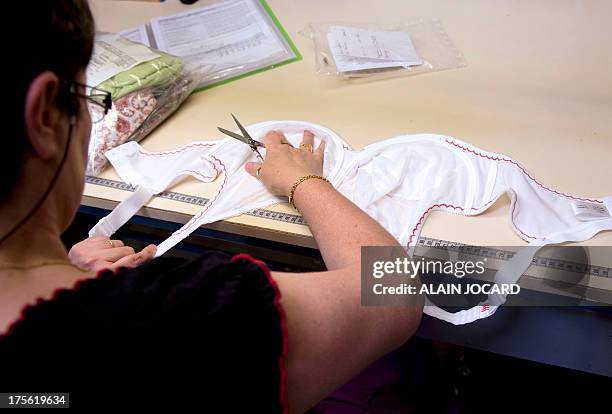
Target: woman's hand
284, 164
97, 253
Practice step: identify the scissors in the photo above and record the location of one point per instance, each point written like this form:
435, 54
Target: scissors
245, 137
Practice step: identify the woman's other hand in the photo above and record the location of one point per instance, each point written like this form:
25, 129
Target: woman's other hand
97, 253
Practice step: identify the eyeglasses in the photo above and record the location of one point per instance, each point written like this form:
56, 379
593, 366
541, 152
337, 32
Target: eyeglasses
99, 102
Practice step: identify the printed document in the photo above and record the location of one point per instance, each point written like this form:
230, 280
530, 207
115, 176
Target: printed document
359, 49
228, 35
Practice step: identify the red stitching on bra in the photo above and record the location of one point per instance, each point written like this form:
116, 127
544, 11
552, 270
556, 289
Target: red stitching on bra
511, 217
210, 203
194, 144
523, 170
447, 206
202, 176
425, 214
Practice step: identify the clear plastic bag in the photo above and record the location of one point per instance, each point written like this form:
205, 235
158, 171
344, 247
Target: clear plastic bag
224, 40
432, 45
143, 95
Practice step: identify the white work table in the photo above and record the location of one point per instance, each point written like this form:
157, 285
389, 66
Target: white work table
538, 88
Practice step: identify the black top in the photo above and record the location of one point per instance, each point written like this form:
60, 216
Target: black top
208, 333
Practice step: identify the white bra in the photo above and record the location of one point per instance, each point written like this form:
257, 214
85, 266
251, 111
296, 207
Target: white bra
400, 181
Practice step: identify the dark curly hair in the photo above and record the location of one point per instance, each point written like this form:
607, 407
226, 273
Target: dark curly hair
60, 41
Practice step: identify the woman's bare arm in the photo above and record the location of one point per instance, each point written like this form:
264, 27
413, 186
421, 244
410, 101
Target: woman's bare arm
332, 337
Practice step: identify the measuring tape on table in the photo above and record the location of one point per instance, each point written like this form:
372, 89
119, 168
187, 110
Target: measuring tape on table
478, 251
484, 252
200, 201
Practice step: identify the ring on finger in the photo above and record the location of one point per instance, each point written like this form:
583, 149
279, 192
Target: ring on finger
307, 147
112, 245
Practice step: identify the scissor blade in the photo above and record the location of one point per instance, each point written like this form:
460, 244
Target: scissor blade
234, 135
251, 141
244, 131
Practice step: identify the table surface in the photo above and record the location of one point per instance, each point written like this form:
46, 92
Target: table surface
538, 88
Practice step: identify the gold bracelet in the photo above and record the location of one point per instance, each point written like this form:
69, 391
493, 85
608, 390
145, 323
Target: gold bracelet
300, 181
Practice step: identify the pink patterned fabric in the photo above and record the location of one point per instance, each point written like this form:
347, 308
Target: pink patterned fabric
122, 123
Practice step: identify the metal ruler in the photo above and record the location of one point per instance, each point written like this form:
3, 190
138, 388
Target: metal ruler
500, 254
200, 201
479, 251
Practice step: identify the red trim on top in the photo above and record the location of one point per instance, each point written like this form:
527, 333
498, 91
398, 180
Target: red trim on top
54, 296
514, 205
281, 312
210, 202
195, 144
592, 200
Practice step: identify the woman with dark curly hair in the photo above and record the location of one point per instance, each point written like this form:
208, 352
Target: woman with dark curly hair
219, 332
